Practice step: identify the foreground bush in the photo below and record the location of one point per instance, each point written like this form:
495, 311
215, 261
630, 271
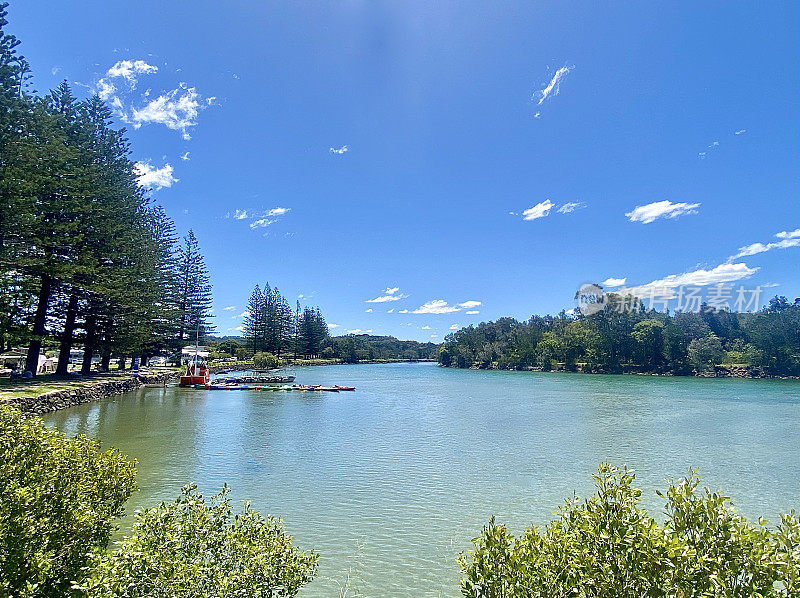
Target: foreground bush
58, 497
190, 549
608, 546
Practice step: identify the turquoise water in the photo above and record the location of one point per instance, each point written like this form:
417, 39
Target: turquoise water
391, 482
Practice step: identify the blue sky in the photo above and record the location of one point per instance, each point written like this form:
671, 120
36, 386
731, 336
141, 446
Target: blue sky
497, 156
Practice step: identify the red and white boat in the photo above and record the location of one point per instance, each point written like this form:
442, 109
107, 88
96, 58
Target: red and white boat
196, 373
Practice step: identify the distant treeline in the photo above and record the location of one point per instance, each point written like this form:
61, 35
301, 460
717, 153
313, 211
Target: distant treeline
614, 340
85, 257
365, 347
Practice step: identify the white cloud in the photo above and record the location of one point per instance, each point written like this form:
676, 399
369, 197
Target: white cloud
229, 308
787, 239
403, 311
260, 223
342, 150
537, 115
472, 312
332, 325
369, 311
570, 207
614, 282
740, 132
359, 331
154, 178
540, 210
277, 212
661, 209
390, 311
426, 327
454, 327
131, 69
437, 306
554, 87
239, 214
240, 328
244, 314
106, 89
666, 287
434, 335
185, 156
177, 109
469, 304
390, 294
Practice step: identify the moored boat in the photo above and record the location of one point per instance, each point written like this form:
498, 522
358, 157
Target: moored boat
196, 373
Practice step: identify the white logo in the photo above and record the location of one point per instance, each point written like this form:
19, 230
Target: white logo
590, 299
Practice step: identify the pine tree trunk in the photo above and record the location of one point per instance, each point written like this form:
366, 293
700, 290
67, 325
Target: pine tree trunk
66, 336
35, 347
88, 346
105, 361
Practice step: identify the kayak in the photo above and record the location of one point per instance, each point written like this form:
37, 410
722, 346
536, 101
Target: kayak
227, 387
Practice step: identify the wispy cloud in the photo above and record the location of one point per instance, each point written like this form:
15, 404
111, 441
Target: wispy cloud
570, 207
554, 87
176, 109
740, 132
614, 282
469, 304
261, 223
369, 311
787, 239
454, 327
666, 287
330, 325
540, 210
154, 178
258, 219
185, 157
131, 69
661, 209
229, 308
359, 331
339, 151
426, 327
472, 312
389, 294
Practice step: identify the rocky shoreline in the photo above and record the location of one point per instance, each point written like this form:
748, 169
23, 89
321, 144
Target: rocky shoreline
69, 397
719, 371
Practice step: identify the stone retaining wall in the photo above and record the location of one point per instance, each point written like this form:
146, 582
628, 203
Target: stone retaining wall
68, 397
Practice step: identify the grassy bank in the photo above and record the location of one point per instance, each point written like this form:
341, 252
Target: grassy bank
45, 383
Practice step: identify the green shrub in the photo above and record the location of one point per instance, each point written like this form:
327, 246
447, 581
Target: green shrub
58, 497
265, 361
188, 549
608, 546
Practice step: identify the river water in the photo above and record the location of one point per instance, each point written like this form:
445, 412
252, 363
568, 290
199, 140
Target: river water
389, 483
